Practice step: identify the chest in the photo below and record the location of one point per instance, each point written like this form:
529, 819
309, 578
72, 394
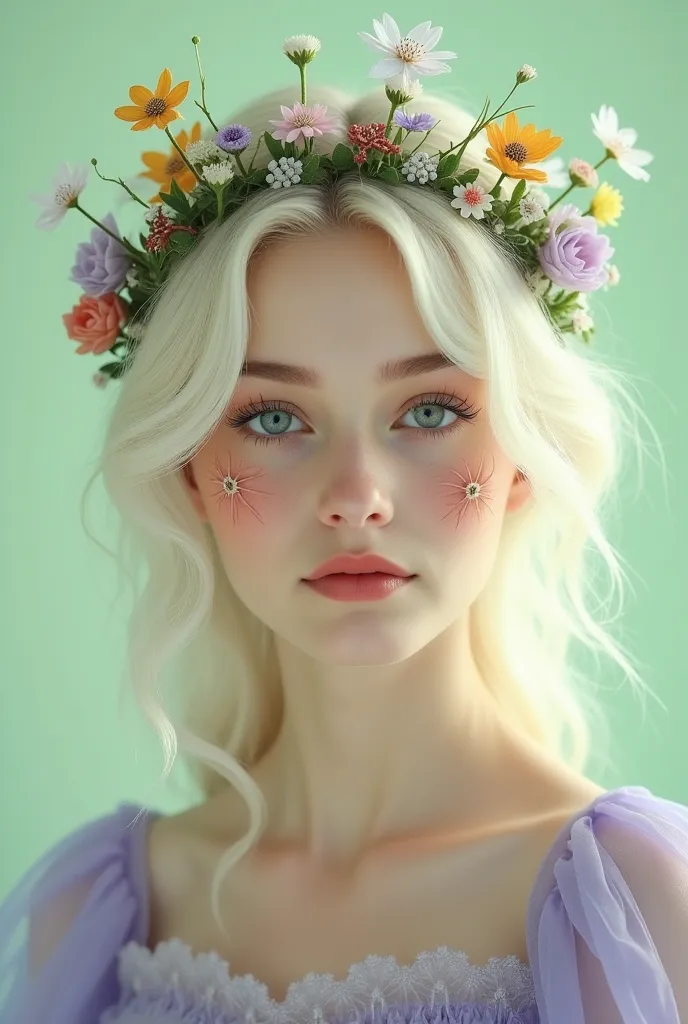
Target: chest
284, 919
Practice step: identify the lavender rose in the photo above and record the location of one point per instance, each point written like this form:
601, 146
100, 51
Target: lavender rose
101, 264
574, 255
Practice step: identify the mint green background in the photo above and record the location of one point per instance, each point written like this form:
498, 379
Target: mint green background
66, 752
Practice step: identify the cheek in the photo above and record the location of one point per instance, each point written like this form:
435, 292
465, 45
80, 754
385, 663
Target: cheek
462, 496
246, 502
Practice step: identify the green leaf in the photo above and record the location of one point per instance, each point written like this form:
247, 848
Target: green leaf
178, 193
448, 164
113, 370
275, 147
389, 174
318, 176
342, 157
182, 241
517, 194
468, 177
446, 184
310, 166
180, 205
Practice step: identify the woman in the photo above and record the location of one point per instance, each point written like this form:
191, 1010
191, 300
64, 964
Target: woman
362, 467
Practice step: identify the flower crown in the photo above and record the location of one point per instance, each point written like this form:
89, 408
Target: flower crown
559, 250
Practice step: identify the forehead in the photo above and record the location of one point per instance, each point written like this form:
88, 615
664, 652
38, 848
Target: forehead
344, 291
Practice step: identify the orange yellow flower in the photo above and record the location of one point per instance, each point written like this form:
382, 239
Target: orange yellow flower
513, 147
163, 167
154, 108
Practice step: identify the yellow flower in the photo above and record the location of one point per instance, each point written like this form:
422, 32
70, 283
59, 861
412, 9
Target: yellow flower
513, 147
154, 108
607, 204
164, 167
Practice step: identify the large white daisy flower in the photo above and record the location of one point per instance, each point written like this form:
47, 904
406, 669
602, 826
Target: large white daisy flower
410, 56
620, 142
68, 184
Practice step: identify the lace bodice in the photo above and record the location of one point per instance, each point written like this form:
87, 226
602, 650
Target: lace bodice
202, 988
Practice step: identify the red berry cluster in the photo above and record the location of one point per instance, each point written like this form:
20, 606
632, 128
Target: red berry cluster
370, 136
160, 230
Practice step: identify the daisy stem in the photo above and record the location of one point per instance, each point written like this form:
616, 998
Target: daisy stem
195, 40
497, 188
255, 154
559, 198
193, 170
302, 73
117, 181
138, 256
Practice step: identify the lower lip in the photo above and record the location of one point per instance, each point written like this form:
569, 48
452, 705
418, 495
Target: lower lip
362, 586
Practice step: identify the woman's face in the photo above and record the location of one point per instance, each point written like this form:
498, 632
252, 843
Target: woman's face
324, 455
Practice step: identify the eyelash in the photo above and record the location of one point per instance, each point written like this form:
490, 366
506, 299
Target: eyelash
248, 412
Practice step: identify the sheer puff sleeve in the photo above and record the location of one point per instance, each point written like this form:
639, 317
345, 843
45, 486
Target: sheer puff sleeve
63, 924
608, 918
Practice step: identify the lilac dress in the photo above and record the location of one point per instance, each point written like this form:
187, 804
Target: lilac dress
607, 941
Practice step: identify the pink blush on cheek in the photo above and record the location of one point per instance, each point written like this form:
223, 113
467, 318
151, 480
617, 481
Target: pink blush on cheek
239, 491
466, 491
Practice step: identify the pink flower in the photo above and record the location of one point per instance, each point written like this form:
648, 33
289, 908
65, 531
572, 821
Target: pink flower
303, 121
583, 173
95, 322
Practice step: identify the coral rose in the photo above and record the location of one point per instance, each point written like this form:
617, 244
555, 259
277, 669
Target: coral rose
95, 322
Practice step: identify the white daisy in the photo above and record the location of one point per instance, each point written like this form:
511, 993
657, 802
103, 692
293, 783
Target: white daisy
526, 73
472, 200
204, 149
410, 56
620, 142
531, 207
68, 184
556, 171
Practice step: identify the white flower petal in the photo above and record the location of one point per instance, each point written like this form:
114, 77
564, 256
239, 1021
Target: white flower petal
388, 67
424, 35
390, 29
376, 44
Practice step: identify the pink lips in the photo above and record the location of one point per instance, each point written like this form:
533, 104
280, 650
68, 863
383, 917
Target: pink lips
358, 564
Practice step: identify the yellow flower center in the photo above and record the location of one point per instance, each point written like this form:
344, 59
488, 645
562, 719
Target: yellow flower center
409, 50
516, 151
174, 165
154, 107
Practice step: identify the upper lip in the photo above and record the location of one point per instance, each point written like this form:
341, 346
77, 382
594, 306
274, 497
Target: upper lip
357, 563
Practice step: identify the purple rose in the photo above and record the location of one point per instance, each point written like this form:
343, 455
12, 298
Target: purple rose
101, 264
574, 255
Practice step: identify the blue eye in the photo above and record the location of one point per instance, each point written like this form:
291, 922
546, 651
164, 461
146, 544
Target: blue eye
240, 420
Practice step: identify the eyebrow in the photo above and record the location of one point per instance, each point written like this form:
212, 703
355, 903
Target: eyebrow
393, 370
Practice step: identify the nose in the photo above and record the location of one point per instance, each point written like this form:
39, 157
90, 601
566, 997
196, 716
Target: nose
355, 496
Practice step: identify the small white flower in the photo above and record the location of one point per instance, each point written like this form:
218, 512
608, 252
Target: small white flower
68, 184
525, 73
555, 169
203, 150
498, 227
614, 276
531, 209
620, 142
472, 200
581, 321
408, 90
410, 56
152, 212
132, 278
420, 167
538, 282
305, 47
218, 174
284, 172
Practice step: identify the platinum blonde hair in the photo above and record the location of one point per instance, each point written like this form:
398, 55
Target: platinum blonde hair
558, 413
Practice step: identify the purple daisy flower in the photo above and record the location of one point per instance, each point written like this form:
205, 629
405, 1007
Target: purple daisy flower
413, 122
233, 137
